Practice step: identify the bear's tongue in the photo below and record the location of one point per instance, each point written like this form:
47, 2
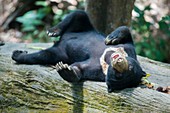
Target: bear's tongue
115, 56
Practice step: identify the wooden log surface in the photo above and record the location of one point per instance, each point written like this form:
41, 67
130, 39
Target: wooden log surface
36, 88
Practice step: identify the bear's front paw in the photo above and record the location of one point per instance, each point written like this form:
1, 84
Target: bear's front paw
67, 72
17, 54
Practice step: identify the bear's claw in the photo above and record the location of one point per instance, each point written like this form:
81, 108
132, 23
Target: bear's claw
60, 66
67, 72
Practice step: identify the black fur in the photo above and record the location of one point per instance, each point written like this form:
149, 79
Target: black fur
127, 79
81, 47
2, 43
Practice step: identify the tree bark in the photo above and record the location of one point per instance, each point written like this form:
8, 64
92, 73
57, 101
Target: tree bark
15, 9
106, 15
35, 88
6, 8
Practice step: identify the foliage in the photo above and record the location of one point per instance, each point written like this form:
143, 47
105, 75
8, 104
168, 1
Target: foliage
149, 45
34, 22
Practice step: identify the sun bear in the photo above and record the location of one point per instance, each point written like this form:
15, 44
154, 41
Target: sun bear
82, 53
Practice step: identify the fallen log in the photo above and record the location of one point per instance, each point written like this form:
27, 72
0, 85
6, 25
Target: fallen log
36, 88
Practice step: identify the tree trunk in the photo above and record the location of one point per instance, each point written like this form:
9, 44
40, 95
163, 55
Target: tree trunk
11, 9
106, 15
6, 8
35, 88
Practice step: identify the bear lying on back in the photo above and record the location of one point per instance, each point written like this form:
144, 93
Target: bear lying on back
82, 54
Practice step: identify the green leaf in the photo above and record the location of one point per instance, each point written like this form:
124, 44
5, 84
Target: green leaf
27, 36
30, 14
138, 48
59, 12
41, 34
28, 22
166, 18
28, 28
31, 17
35, 32
41, 3
164, 27
21, 20
37, 22
148, 53
147, 7
42, 12
136, 9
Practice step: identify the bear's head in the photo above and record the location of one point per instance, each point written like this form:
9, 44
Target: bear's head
123, 72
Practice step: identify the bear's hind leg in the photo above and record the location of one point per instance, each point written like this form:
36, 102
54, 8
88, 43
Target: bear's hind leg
76, 21
44, 57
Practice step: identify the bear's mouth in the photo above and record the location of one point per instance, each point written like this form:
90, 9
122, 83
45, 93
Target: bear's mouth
119, 62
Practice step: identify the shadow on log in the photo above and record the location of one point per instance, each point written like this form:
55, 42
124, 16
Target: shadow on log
35, 88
